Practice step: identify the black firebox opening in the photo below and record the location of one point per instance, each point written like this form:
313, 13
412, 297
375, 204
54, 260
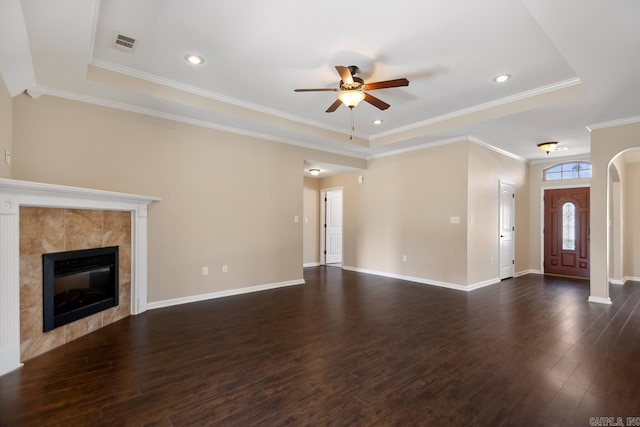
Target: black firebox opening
77, 284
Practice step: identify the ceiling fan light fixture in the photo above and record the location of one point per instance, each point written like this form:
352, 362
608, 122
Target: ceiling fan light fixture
314, 172
351, 98
547, 147
194, 59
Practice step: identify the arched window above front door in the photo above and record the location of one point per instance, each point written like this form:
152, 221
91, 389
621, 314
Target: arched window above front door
568, 170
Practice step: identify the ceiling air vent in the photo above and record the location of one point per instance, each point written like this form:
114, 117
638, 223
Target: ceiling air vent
125, 43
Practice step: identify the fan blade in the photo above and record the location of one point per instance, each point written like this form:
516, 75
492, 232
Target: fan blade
316, 90
376, 102
387, 84
345, 74
334, 106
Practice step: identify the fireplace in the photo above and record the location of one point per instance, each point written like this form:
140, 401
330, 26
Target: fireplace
77, 284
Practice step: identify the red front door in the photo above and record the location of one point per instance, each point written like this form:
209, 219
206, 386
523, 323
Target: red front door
566, 231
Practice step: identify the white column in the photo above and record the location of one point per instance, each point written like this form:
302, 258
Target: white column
9, 284
139, 254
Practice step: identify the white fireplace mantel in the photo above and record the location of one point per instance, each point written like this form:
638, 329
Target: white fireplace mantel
14, 194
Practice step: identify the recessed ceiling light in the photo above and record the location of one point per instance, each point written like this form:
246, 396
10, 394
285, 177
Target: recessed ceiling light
194, 59
502, 78
377, 121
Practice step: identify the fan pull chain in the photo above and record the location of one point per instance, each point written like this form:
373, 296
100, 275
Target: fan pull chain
353, 125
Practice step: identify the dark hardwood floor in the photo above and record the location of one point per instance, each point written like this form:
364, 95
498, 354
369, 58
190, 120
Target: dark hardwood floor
348, 349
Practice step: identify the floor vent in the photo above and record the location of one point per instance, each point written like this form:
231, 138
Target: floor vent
124, 43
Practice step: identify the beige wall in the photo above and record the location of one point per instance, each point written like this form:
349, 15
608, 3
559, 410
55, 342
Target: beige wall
311, 221
226, 199
6, 129
606, 143
405, 204
486, 169
536, 215
403, 208
632, 221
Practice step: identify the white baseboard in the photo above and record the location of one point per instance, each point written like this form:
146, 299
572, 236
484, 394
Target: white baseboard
9, 359
222, 294
311, 264
479, 285
625, 280
529, 271
599, 300
438, 283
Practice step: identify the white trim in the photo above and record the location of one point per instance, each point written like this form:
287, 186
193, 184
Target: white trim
222, 294
420, 280
424, 146
612, 123
446, 141
310, 264
497, 150
483, 284
100, 63
557, 160
481, 107
38, 192
195, 122
599, 300
525, 272
624, 280
13, 194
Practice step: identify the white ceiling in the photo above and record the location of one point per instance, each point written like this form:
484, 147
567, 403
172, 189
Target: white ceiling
574, 63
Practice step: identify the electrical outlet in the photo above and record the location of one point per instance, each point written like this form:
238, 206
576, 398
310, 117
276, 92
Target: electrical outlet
404, 258
295, 218
205, 271
491, 260
7, 157
224, 268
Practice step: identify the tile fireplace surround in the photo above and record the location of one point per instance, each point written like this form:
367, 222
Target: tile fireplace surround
15, 194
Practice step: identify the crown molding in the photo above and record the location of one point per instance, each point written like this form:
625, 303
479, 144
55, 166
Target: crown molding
419, 147
110, 66
187, 120
481, 107
445, 142
498, 150
557, 160
612, 123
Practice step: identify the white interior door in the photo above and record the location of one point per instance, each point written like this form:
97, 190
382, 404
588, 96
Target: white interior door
507, 230
333, 221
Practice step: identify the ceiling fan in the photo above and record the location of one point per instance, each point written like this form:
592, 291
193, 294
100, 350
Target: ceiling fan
353, 89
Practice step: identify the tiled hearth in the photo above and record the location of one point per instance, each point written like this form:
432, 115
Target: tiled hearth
46, 230
37, 218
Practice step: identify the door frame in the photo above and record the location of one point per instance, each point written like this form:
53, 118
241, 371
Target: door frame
553, 187
323, 218
513, 221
